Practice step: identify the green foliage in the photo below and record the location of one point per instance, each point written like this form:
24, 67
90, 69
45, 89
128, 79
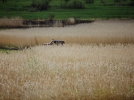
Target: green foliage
104, 10
76, 4
4, 1
131, 3
63, 3
73, 4
89, 1
66, 0
117, 1
103, 1
40, 4
5, 51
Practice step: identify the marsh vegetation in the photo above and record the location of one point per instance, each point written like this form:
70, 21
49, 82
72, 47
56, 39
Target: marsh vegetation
96, 63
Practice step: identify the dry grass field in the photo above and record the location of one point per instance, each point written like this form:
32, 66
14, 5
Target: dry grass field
12, 22
96, 63
106, 32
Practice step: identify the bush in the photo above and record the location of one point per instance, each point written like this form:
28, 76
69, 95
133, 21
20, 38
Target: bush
117, 1
103, 2
63, 3
73, 4
89, 1
131, 3
76, 4
40, 4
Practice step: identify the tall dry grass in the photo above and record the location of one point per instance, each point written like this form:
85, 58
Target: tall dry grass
96, 63
106, 32
69, 72
11, 22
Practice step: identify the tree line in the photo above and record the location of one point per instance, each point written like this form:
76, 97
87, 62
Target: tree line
75, 4
72, 4
40, 5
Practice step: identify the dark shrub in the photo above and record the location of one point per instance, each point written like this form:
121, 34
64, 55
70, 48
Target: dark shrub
63, 3
131, 3
117, 1
40, 4
76, 4
89, 1
103, 1
73, 4
66, 0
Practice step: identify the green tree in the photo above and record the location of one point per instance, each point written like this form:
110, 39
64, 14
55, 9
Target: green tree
89, 1
131, 3
117, 1
4, 1
41, 4
73, 4
76, 4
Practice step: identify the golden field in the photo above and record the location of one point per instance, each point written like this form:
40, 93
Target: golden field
106, 32
96, 63
11, 22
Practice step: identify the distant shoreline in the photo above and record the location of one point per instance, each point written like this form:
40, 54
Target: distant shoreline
6, 23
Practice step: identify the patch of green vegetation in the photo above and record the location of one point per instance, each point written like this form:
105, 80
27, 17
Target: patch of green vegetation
72, 4
5, 51
99, 9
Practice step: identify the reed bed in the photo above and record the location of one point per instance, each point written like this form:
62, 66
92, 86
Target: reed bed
96, 63
69, 72
105, 32
11, 22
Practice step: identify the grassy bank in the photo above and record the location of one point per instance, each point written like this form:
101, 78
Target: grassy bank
97, 10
